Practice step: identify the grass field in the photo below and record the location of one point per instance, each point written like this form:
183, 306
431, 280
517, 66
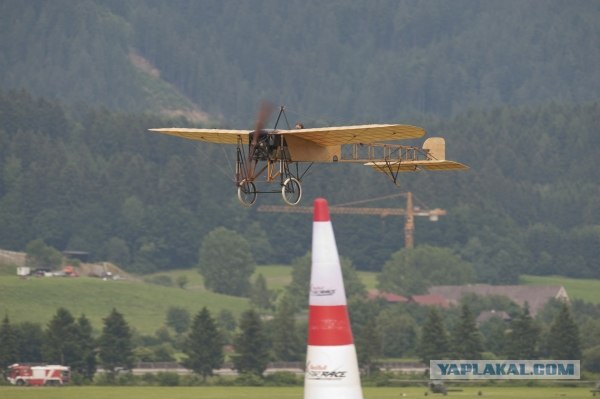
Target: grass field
369, 279
276, 393
143, 305
584, 289
277, 276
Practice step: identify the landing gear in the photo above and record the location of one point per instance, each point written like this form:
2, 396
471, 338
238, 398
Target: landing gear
291, 191
268, 160
247, 192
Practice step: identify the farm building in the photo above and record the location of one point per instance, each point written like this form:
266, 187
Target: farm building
535, 295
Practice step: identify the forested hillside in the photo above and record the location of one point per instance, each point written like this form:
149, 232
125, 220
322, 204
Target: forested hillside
103, 183
338, 61
513, 86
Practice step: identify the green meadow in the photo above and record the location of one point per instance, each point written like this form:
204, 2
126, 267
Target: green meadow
144, 304
279, 392
577, 288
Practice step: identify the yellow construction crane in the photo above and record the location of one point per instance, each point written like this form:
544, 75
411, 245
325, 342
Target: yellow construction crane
409, 212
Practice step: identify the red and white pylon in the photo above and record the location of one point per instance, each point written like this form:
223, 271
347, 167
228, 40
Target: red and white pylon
331, 363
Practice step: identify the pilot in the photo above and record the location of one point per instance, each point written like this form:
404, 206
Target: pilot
299, 125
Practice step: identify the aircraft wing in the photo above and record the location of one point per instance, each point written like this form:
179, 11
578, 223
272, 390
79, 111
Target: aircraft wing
412, 166
330, 136
324, 136
220, 136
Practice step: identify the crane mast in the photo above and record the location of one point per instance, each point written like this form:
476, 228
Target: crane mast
409, 223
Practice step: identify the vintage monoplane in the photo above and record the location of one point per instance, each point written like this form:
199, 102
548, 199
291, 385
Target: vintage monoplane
276, 155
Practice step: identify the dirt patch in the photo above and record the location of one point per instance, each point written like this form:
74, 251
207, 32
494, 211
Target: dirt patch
12, 258
100, 269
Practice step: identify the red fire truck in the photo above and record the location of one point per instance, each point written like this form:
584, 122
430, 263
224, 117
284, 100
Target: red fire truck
20, 374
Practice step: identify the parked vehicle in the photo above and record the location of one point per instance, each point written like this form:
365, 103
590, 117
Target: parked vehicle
20, 374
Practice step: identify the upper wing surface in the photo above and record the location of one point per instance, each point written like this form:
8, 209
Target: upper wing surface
220, 136
329, 136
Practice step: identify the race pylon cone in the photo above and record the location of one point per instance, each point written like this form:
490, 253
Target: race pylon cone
331, 363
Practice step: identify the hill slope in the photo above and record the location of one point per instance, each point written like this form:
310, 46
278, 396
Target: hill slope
85, 50
144, 306
336, 61
90, 179
102, 183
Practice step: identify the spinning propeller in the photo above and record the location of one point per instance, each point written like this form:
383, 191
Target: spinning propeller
266, 108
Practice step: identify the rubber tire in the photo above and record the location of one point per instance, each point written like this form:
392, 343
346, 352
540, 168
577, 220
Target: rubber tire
247, 195
291, 191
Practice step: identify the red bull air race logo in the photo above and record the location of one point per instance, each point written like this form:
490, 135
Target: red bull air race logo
322, 372
316, 290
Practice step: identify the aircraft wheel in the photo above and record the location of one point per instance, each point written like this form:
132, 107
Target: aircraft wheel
247, 192
291, 191
20, 383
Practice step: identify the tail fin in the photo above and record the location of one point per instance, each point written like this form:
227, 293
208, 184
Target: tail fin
436, 147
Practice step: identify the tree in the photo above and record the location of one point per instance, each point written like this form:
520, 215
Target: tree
251, 346
227, 324
182, 281
591, 359
494, 332
260, 295
563, 338
298, 288
259, 243
226, 262
115, 346
8, 344
524, 335
286, 342
399, 332
60, 341
41, 255
178, 318
86, 364
591, 338
204, 345
117, 251
413, 270
433, 341
368, 345
466, 340
30, 341
363, 319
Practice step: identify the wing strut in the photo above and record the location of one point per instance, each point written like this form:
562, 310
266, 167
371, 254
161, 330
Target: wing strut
282, 112
391, 170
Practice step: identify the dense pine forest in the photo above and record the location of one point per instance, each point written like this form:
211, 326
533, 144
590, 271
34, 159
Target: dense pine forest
358, 61
513, 87
102, 183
